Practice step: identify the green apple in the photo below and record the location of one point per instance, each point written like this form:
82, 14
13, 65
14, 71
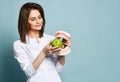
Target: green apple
57, 42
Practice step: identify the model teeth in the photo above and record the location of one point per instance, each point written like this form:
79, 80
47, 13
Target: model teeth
63, 32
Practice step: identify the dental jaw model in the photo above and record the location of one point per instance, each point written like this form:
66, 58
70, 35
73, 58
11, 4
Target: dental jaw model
66, 42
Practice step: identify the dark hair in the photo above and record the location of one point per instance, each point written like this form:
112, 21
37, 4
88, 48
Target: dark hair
23, 19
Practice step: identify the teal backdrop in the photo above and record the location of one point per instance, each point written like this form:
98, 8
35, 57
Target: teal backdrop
94, 26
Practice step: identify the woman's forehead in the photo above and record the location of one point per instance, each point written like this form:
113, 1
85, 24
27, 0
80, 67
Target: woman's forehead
34, 13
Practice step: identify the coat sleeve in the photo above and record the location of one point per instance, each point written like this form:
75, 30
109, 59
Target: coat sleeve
59, 66
55, 59
22, 58
57, 63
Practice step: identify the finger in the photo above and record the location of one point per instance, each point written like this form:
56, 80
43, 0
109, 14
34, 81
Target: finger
53, 48
50, 43
47, 47
56, 50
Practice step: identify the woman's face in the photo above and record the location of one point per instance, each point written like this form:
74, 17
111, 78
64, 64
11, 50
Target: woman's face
35, 21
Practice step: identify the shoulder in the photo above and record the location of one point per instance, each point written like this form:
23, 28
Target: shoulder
51, 37
17, 43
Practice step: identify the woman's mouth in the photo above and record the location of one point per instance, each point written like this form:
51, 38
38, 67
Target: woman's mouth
38, 25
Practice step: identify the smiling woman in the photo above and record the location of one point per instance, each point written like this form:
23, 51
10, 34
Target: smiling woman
35, 20
31, 14
37, 58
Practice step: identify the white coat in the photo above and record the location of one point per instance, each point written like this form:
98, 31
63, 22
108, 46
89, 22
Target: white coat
25, 53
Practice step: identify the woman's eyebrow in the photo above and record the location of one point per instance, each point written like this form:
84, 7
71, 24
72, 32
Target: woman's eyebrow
32, 17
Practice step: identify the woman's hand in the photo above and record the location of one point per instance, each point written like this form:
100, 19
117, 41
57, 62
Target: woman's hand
51, 50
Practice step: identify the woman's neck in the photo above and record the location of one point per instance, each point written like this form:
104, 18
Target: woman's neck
34, 34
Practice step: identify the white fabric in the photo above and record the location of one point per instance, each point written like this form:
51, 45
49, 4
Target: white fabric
26, 54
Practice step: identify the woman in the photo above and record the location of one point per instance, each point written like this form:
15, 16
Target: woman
33, 51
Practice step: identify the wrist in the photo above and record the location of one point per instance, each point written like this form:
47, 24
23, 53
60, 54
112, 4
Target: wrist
44, 52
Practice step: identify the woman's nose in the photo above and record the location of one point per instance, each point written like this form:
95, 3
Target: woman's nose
38, 21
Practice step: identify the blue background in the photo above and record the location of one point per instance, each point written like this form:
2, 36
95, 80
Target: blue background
94, 26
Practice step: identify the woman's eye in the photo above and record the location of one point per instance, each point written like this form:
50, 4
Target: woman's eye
39, 17
32, 19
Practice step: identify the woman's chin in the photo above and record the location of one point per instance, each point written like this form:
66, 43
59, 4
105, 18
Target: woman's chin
38, 28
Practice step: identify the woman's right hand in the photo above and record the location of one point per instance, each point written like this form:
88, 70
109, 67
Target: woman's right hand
51, 50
